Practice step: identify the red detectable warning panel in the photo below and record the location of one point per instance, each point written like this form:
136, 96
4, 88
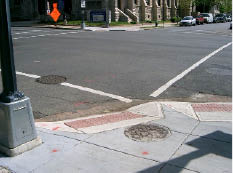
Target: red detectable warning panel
102, 120
212, 107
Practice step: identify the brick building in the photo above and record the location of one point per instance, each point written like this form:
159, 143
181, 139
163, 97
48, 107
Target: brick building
121, 10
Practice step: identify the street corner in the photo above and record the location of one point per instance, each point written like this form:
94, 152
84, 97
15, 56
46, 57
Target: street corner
213, 111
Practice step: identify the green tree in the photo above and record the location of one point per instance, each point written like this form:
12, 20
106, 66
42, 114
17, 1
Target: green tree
225, 6
184, 7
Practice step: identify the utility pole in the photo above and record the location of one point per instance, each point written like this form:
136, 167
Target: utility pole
17, 128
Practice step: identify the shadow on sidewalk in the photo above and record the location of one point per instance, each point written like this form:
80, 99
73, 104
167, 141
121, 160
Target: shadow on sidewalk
203, 148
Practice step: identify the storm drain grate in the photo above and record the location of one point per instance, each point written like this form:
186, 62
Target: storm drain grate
147, 132
51, 79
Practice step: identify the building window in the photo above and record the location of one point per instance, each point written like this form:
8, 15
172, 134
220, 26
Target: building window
136, 2
168, 3
148, 2
159, 2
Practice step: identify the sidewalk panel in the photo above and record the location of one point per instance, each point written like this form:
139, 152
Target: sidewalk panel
177, 121
158, 150
204, 155
86, 158
207, 128
53, 147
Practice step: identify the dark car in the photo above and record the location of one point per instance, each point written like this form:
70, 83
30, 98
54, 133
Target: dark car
200, 20
220, 18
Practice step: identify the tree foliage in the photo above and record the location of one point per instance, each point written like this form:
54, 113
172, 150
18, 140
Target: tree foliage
184, 7
225, 6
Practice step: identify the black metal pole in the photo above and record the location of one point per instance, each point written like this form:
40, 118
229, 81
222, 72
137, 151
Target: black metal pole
107, 14
10, 92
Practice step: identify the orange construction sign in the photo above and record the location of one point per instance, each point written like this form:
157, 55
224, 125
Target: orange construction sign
55, 13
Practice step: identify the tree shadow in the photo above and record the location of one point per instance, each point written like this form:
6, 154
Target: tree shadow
214, 146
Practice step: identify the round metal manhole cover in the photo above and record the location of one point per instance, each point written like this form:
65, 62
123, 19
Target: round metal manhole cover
219, 71
147, 132
51, 79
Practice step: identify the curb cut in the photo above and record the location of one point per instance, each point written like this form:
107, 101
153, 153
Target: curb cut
140, 114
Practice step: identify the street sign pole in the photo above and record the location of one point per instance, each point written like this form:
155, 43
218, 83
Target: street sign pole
83, 6
17, 128
107, 14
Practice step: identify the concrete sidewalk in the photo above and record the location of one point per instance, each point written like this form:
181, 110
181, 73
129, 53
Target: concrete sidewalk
166, 137
133, 27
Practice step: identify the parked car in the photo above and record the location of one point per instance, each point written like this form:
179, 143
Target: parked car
220, 18
200, 20
208, 17
228, 18
188, 21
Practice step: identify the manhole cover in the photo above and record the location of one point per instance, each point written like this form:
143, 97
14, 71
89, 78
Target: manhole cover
147, 132
219, 71
51, 79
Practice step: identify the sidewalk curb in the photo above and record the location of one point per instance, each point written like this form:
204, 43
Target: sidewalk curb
140, 114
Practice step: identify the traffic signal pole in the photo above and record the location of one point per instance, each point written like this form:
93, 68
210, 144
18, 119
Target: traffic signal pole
17, 128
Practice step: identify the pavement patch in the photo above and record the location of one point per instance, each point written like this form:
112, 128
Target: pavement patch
51, 79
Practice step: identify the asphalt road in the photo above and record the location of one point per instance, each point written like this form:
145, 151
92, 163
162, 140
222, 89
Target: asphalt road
128, 64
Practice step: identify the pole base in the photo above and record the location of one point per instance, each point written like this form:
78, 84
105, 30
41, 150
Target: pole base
17, 125
11, 152
82, 25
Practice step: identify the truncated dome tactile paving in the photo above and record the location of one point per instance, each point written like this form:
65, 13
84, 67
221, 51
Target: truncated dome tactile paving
213, 111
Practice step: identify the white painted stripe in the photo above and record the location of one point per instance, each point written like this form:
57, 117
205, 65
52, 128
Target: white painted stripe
27, 75
181, 75
97, 92
82, 88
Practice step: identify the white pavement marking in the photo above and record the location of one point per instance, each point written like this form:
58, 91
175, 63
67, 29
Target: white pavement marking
27, 75
43, 35
97, 92
181, 75
82, 88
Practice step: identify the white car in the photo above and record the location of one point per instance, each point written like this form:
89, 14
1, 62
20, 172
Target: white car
208, 17
188, 21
